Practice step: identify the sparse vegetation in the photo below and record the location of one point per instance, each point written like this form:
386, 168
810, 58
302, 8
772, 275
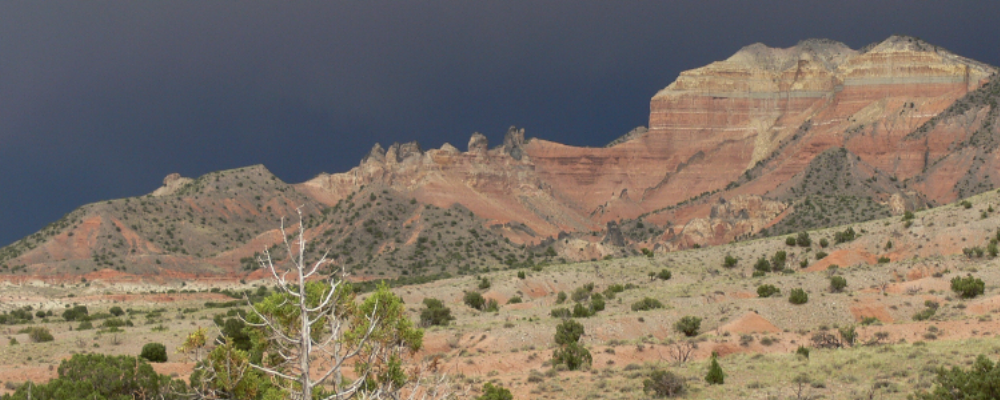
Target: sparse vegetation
647, 303
154, 352
38, 334
663, 384
968, 287
570, 352
491, 392
435, 313
688, 325
715, 375
767, 290
837, 283
798, 296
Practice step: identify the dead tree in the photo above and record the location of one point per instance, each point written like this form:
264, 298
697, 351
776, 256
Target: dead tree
681, 351
313, 329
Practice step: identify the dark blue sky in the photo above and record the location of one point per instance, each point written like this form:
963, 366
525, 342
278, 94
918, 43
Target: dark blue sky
101, 100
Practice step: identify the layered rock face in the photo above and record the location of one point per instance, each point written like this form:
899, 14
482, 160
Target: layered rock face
764, 113
716, 122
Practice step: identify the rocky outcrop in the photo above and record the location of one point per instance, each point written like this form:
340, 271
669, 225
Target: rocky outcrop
613, 235
478, 144
171, 184
498, 184
731, 219
512, 143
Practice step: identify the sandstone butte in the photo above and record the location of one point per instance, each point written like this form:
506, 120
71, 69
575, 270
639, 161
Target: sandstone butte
769, 108
725, 146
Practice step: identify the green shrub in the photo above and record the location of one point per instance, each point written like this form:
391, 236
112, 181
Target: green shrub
613, 289
39, 334
491, 306
980, 381
767, 290
790, 241
823, 243
234, 331
568, 331
908, 215
647, 303
928, 312
730, 261
116, 311
561, 312
474, 300
115, 323
581, 294
883, 260
837, 283
803, 240
154, 352
573, 355
85, 325
715, 375
663, 384
521, 275
802, 351
664, 275
514, 300
966, 204
75, 313
968, 287
570, 352
581, 311
778, 261
820, 255
848, 335
798, 296
758, 274
435, 313
688, 325
762, 265
846, 236
491, 392
484, 284
560, 297
597, 302
98, 376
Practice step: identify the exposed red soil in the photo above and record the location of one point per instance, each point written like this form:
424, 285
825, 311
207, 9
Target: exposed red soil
878, 311
750, 322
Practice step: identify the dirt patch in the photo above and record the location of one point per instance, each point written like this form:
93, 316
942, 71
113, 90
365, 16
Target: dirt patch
984, 306
750, 322
842, 258
919, 285
725, 349
877, 311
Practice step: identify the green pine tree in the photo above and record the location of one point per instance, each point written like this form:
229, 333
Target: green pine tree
715, 375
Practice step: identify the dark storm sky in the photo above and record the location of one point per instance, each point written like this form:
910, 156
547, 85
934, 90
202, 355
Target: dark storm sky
101, 100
